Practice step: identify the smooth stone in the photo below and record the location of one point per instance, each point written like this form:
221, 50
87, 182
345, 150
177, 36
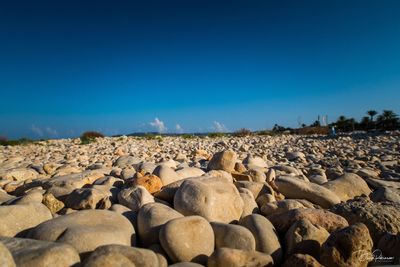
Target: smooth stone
151, 218
296, 188
86, 230
16, 219
256, 188
250, 205
348, 247
135, 197
166, 174
266, 237
348, 186
30, 252
384, 194
229, 257
212, 198
150, 181
224, 160
189, 172
280, 206
301, 260
255, 161
88, 198
233, 236
122, 256
189, 238
6, 259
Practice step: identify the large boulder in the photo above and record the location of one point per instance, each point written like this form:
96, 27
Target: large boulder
135, 197
187, 239
14, 219
224, 160
305, 238
122, 256
212, 198
266, 237
166, 174
380, 218
324, 218
151, 218
229, 257
348, 186
233, 236
350, 246
293, 187
86, 230
19, 174
30, 252
6, 259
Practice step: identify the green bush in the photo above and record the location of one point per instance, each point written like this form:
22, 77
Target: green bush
90, 136
242, 132
188, 136
215, 135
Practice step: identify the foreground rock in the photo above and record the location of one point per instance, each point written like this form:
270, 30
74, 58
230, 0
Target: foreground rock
86, 230
188, 239
15, 219
6, 259
30, 252
380, 218
296, 188
348, 186
350, 246
121, 256
212, 198
230, 257
224, 160
233, 236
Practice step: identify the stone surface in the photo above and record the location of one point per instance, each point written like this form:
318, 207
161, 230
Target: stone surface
301, 260
189, 238
6, 259
30, 252
230, 257
86, 230
135, 197
224, 160
212, 198
53, 204
233, 236
15, 219
296, 188
380, 218
151, 218
266, 237
348, 186
347, 247
119, 255
151, 182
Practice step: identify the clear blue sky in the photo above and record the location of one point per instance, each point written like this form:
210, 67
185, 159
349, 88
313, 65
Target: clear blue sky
116, 66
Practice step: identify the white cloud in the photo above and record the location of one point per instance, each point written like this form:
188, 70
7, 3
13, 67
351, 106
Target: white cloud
179, 128
36, 130
159, 125
219, 127
51, 132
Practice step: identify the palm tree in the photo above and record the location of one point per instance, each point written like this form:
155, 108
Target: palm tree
388, 120
372, 113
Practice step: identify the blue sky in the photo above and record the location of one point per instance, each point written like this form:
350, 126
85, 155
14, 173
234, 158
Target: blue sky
127, 66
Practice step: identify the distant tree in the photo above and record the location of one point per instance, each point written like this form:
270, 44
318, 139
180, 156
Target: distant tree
242, 132
315, 124
365, 123
388, 120
90, 136
371, 114
344, 124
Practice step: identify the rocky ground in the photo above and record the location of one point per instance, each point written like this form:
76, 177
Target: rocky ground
251, 201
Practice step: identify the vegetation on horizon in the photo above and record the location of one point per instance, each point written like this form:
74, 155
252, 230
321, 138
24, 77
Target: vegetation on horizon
90, 136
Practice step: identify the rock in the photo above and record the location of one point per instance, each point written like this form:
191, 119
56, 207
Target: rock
239, 167
326, 219
256, 188
255, 161
86, 230
19, 174
53, 204
88, 198
30, 197
249, 203
229, 257
212, 198
15, 219
380, 218
305, 238
280, 206
220, 174
6, 259
125, 161
151, 182
166, 174
135, 197
389, 245
257, 175
296, 188
301, 260
347, 247
270, 175
233, 236
224, 160
186, 264
189, 172
127, 213
30, 252
266, 237
348, 186
384, 194
151, 218
187, 239
4, 197
118, 255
